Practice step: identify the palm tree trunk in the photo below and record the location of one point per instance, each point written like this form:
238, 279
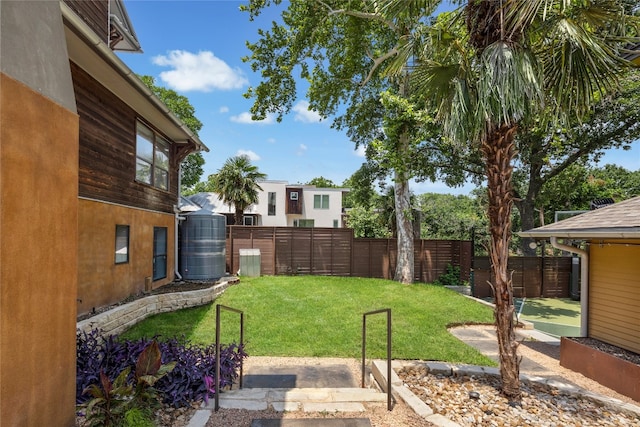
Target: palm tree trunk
498, 151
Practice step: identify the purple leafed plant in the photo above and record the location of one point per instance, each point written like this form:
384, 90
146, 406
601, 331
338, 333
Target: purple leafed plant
191, 380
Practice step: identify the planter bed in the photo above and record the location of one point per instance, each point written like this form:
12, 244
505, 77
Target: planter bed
606, 367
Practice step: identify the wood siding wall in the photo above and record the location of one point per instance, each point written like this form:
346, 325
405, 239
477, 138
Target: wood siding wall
532, 277
335, 252
95, 13
108, 150
614, 294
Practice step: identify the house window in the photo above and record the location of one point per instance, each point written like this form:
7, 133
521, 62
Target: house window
271, 208
293, 195
303, 222
247, 220
159, 253
321, 201
152, 158
122, 244
335, 223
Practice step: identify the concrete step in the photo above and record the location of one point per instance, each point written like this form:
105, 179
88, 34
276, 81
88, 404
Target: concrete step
312, 422
300, 399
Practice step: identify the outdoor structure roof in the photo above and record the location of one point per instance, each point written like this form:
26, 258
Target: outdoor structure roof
210, 202
618, 221
634, 53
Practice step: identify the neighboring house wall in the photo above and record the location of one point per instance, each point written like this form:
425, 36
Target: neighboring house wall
323, 206
614, 293
277, 208
38, 218
275, 217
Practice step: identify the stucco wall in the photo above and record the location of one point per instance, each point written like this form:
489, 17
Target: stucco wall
38, 257
100, 280
614, 293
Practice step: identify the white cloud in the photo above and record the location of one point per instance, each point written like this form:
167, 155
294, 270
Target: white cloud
301, 149
360, 151
271, 140
224, 109
304, 115
245, 118
250, 154
201, 71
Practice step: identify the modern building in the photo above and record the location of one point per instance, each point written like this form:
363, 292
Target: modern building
283, 205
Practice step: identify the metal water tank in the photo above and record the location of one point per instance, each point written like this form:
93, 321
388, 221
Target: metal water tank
202, 246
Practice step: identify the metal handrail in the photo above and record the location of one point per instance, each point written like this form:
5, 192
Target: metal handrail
217, 372
364, 346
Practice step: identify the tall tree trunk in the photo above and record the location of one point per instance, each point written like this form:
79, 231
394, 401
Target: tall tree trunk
527, 205
405, 265
526, 208
498, 151
404, 214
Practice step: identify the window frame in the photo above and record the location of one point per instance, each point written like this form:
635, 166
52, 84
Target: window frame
293, 195
119, 247
304, 223
159, 160
318, 201
271, 203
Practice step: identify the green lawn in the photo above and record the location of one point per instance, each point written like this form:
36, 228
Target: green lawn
322, 316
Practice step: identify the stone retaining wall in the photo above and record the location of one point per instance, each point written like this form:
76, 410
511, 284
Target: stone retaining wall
120, 318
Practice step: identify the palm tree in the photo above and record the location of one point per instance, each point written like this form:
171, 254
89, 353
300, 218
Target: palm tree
497, 62
237, 183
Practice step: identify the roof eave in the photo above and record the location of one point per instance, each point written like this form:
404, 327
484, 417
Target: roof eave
581, 234
142, 95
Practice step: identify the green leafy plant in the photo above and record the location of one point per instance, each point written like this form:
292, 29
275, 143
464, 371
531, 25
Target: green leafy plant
138, 417
451, 277
127, 401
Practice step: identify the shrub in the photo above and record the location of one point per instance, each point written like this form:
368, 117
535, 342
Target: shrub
189, 381
449, 278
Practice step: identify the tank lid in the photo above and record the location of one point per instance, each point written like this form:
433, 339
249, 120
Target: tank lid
202, 212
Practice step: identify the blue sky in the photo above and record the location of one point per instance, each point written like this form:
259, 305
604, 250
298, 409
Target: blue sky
195, 48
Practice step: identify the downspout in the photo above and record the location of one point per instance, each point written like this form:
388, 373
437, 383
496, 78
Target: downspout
584, 282
176, 211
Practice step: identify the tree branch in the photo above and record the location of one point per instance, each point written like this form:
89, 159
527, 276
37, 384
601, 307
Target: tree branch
357, 14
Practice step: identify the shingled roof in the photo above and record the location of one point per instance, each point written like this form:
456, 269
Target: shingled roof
618, 221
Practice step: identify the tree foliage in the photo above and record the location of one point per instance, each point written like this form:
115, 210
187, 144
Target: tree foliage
344, 49
192, 166
322, 182
547, 152
453, 217
367, 222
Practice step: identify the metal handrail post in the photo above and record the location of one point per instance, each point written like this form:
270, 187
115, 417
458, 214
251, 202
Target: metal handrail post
364, 346
217, 370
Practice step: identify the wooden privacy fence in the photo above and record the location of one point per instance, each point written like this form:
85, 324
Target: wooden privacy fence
548, 277
335, 252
